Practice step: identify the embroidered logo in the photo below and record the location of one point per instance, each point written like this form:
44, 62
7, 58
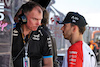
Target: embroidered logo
36, 37
49, 43
15, 33
74, 19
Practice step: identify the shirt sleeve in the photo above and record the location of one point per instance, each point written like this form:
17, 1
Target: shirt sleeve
47, 47
75, 57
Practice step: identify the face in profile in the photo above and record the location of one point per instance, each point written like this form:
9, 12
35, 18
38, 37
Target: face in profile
67, 31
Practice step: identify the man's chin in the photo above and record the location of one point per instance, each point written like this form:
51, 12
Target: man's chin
66, 38
34, 29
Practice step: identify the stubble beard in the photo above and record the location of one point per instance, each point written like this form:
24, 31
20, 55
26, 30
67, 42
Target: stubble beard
68, 37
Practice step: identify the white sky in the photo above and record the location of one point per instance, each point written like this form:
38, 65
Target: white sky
90, 9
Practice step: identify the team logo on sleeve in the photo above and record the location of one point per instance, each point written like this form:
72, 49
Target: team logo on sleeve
72, 57
49, 43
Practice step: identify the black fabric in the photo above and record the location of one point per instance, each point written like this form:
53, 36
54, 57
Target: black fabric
38, 47
46, 29
26, 39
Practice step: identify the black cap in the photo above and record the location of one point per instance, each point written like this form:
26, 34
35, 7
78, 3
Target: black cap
75, 18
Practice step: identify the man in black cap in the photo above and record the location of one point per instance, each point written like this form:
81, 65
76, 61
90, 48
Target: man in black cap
79, 53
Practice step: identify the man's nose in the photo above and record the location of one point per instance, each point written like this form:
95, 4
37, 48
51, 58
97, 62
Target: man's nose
38, 22
62, 28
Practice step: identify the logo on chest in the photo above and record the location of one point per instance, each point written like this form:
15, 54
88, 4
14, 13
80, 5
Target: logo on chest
36, 37
15, 33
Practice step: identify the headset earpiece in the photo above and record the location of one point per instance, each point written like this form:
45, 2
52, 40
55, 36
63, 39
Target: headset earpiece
22, 18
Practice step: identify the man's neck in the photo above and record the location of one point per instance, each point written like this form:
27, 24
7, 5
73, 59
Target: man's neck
25, 30
76, 39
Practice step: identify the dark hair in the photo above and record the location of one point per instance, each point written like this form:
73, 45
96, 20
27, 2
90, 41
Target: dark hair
27, 7
45, 19
81, 29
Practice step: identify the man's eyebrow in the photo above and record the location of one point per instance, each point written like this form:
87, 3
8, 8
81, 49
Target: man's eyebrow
34, 18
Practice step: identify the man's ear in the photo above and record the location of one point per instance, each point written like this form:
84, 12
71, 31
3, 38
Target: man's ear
75, 28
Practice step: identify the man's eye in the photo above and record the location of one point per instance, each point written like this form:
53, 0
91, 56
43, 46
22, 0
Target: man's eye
35, 19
